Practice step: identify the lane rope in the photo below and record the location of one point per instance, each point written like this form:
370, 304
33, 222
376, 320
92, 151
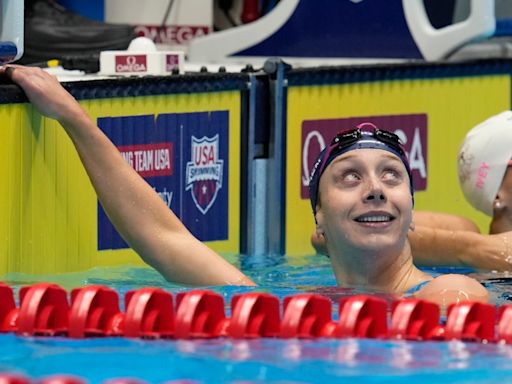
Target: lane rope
46, 309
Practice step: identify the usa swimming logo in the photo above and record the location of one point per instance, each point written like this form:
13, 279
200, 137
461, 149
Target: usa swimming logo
203, 176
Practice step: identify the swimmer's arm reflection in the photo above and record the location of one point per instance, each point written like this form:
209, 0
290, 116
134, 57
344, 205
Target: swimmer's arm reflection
138, 213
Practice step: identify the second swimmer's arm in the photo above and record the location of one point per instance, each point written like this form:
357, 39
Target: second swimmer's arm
441, 247
138, 213
441, 220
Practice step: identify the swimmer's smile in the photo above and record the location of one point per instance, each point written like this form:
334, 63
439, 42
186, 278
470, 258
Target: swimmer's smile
375, 219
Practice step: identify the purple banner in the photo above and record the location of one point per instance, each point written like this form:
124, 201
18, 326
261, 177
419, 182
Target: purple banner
412, 130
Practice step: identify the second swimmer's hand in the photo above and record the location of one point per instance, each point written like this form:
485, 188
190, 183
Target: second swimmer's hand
44, 91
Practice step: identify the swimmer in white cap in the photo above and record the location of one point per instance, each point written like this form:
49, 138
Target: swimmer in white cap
485, 177
485, 170
362, 202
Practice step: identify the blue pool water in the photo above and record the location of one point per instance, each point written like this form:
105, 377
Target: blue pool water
258, 361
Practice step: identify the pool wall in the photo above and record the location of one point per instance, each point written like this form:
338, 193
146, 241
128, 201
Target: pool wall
256, 132
168, 129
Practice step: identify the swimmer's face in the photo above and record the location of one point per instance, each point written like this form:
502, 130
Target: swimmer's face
365, 202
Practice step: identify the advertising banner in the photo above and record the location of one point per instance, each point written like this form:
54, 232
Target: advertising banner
185, 158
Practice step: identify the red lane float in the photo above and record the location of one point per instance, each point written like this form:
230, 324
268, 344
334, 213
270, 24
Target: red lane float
200, 314
470, 321
62, 379
44, 311
307, 316
414, 319
254, 315
152, 313
149, 314
362, 316
94, 312
8, 310
505, 324
12, 378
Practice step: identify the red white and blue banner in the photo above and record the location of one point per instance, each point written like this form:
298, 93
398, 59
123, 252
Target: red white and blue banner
185, 158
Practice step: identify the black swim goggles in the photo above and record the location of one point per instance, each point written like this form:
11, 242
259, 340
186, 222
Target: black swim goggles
349, 137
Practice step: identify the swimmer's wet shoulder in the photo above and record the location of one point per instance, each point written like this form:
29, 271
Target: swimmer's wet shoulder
451, 288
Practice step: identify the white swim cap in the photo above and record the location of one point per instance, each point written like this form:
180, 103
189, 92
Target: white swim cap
483, 160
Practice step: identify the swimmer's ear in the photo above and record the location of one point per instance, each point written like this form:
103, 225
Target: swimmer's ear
319, 230
497, 204
318, 242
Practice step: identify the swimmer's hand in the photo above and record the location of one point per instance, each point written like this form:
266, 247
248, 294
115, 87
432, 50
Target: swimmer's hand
45, 92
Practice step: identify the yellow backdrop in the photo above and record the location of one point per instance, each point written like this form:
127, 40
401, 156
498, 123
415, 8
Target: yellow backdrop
48, 209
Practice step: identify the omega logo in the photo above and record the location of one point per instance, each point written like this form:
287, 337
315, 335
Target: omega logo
133, 63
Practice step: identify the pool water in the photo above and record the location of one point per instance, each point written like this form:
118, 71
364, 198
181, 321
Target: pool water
261, 360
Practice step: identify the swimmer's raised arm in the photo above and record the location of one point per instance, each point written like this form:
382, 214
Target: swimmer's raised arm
139, 214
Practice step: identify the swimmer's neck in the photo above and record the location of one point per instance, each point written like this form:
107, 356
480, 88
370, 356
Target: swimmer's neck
385, 273
501, 224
